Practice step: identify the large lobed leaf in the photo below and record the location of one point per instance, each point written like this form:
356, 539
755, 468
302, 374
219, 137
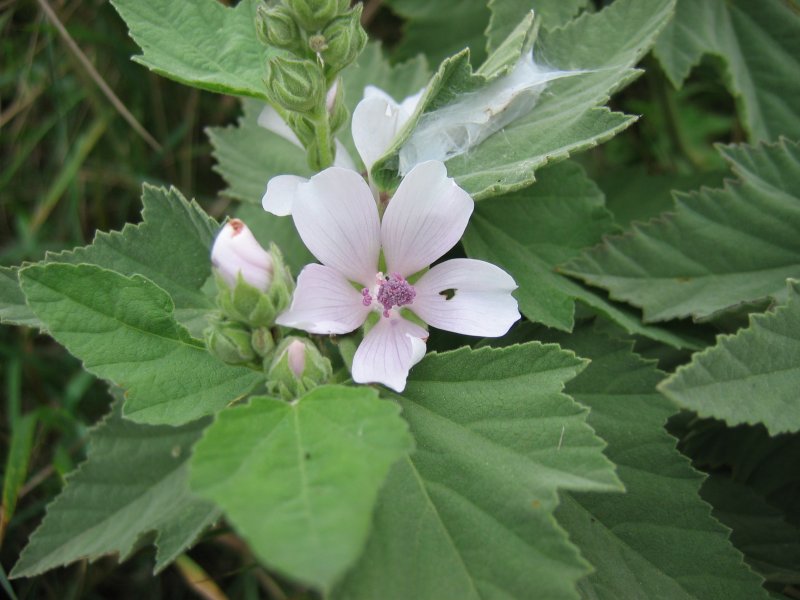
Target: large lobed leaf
658, 540
720, 248
124, 330
134, 482
201, 43
760, 44
299, 480
469, 514
750, 377
531, 231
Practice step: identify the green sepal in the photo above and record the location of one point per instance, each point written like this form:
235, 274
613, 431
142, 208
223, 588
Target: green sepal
295, 84
345, 38
230, 342
275, 26
313, 15
282, 379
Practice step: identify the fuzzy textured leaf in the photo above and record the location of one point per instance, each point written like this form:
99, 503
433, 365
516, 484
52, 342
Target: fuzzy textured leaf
13, 309
124, 330
134, 482
506, 14
201, 43
299, 480
760, 44
750, 377
469, 514
531, 231
720, 248
658, 540
171, 247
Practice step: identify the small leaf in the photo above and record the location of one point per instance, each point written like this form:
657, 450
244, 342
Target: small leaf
299, 480
720, 248
123, 329
751, 377
134, 481
201, 43
759, 43
658, 540
469, 514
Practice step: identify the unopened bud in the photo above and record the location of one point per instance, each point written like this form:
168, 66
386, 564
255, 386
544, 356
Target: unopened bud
230, 342
262, 342
345, 39
313, 15
254, 285
297, 367
295, 84
276, 26
236, 251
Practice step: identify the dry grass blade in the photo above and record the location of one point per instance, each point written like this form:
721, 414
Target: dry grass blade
97, 78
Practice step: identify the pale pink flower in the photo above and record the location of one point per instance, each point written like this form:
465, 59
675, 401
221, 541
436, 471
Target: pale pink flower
336, 216
236, 251
375, 124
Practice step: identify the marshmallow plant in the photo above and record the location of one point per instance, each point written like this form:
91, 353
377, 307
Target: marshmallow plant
452, 401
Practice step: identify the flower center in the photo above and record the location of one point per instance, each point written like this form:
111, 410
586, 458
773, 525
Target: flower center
392, 290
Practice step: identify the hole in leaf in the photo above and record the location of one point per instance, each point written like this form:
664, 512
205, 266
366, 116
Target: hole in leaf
448, 293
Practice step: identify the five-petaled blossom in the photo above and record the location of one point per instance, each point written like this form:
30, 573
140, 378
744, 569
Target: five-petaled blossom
336, 216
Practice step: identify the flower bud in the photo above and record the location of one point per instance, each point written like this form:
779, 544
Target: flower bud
276, 27
313, 15
344, 40
295, 84
230, 342
297, 367
254, 285
262, 342
236, 251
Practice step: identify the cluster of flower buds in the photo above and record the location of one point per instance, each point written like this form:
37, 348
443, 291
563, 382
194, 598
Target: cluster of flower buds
318, 38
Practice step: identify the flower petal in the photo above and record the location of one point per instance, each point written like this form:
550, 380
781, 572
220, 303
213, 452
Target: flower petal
280, 194
376, 121
482, 303
388, 351
343, 158
270, 120
336, 216
324, 302
426, 217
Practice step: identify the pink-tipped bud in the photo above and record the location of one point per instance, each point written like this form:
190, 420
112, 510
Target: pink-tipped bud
236, 251
296, 355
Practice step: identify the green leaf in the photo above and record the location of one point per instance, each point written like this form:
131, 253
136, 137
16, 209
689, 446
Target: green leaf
770, 545
13, 309
658, 540
171, 247
430, 28
23, 430
506, 14
751, 377
567, 118
530, 232
201, 43
123, 329
759, 43
134, 482
720, 248
469, 514
299, 480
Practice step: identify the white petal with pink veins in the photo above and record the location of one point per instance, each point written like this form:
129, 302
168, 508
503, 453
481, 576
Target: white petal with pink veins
324, 302
481, 302
336, 216
426, 217
388, 351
